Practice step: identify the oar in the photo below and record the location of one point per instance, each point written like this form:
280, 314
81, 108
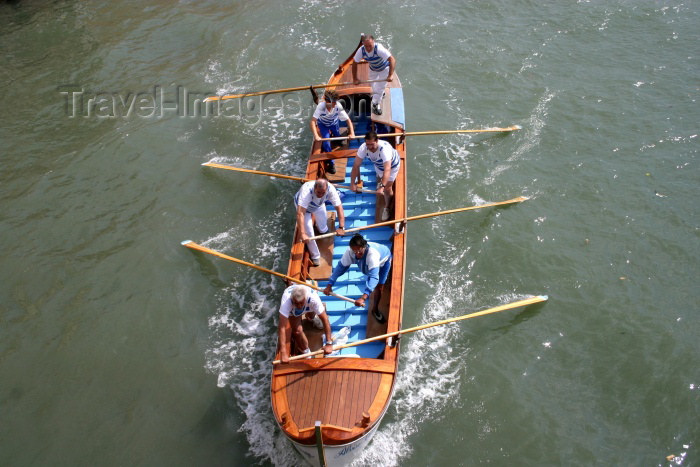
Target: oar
508, 306
519, 199
277, 91
437, 132
272, 174
195, 246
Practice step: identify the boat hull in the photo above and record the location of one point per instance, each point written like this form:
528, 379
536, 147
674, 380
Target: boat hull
349, 395
336, 456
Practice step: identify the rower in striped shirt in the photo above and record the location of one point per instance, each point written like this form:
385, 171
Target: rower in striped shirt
386, 161
381, 67
326, 122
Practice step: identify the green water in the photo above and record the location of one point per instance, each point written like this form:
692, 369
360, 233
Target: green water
120, 347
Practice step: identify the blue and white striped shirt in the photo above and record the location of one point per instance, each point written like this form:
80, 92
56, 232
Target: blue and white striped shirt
385, 154
330, 118
378, 59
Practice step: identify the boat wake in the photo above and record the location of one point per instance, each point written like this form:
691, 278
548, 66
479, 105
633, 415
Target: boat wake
244, 326
532, 134
244, 334
433, 363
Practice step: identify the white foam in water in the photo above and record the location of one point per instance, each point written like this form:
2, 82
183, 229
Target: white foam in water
245, 325
215, 158
429, 376
532, 136
450, 166
227, 82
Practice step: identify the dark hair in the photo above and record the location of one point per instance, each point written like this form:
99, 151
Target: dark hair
358, 240
371, 136
330, 94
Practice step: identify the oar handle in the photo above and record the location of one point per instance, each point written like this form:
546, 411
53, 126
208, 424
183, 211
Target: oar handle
508, 306
519, 199
421, 133
195, 246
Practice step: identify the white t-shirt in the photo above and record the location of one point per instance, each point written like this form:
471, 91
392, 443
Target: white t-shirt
385, 156
328, 118
306, 197
313, 302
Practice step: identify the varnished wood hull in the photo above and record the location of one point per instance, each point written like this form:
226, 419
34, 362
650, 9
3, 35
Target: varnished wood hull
348, 396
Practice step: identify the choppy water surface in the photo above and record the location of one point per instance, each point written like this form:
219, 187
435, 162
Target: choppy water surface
118, 346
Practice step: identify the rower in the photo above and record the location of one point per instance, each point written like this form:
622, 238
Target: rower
298, 300
381, 68
374, 261
386, 162
326, 121
310, 203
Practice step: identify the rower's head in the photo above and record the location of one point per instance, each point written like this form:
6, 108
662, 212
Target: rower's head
320, 187
330, 97
299, 298
358, 245
372, 141
368, 42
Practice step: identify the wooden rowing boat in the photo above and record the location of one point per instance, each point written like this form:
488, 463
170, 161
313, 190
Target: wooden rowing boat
331, 407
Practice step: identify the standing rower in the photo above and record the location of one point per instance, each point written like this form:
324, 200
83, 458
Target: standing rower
381, 67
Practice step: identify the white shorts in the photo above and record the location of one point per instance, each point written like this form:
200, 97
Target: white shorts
392, 175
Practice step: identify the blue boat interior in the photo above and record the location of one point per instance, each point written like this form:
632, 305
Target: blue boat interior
359, 211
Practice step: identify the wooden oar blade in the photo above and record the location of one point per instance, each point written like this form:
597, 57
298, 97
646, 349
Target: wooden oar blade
508, 306
196, 246
203, 249
219, 166
279, 91
433, 132
519, 199
251, 171
498, 129
191, 244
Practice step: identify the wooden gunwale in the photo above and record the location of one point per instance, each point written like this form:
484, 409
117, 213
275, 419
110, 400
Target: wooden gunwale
338, 392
